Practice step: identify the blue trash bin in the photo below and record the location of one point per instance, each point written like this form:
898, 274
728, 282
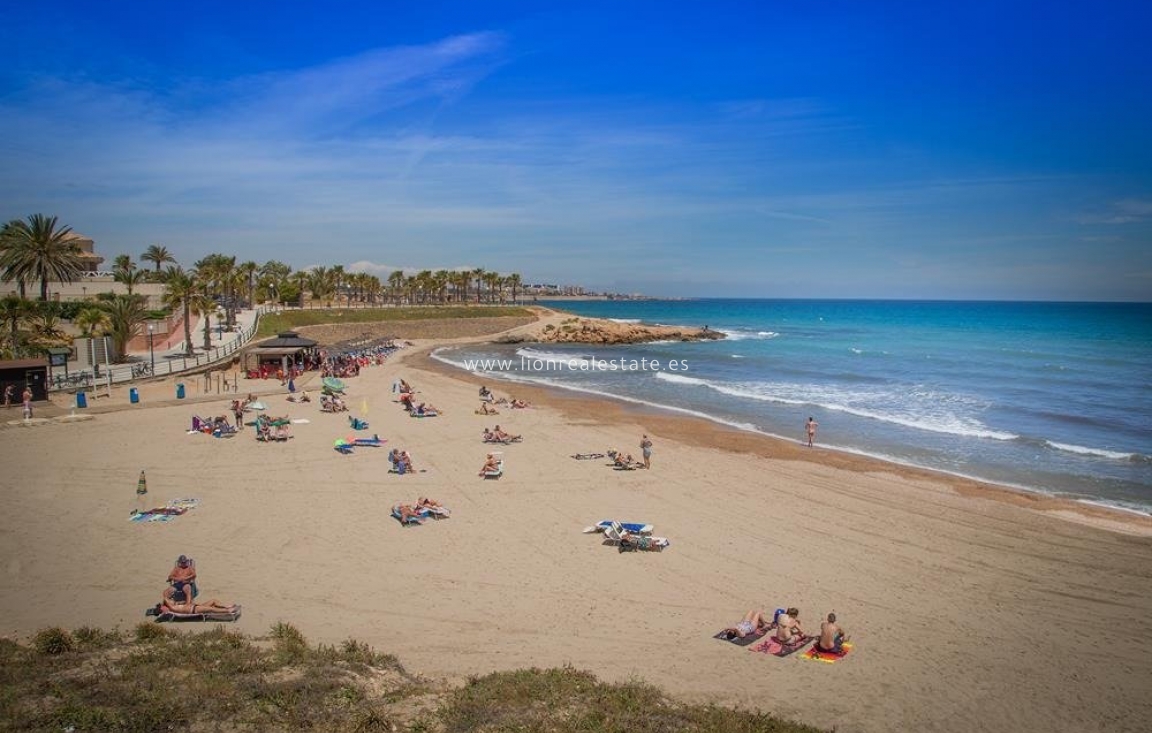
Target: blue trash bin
179, 390
133, 395
81, 399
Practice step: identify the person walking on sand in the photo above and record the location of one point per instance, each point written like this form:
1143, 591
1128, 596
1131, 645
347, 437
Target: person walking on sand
9, 395
812, 425
646, 449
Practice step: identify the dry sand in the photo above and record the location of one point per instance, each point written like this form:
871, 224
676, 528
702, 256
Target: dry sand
969, 612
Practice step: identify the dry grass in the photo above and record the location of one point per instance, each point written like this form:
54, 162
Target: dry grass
155, 678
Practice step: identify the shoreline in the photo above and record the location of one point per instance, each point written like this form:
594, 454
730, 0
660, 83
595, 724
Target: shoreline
574, 403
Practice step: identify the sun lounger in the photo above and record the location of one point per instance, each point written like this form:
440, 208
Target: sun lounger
497, 473
422, 514
374, 442
632, 527
619, 537
163, 614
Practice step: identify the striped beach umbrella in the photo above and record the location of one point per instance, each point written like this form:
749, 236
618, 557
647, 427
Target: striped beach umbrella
142, 485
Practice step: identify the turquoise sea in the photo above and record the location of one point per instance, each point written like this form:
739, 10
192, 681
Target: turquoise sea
1048, 397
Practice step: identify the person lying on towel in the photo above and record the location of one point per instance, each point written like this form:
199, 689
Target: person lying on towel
408, 513
169, 604
832, 637
505, 437
754, 622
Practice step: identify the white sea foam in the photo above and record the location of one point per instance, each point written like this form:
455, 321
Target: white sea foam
553, 356
1097, 452
624, 320
1141, 509
926, 411
740, 334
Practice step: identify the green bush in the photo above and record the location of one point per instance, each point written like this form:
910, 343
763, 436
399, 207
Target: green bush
53, 641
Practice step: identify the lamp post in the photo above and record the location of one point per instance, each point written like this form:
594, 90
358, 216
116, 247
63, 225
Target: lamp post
151, 353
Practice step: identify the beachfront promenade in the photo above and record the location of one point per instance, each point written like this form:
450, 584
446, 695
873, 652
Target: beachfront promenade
168, 361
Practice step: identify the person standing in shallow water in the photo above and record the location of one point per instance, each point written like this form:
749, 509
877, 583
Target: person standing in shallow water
811, 426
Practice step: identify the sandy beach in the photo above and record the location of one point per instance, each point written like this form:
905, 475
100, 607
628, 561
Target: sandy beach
972, 608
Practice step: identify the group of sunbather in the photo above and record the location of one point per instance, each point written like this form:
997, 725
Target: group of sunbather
624, 461
332, 403
180, 595
218, 426
496, 435
400, 460
487, 398
786, 623
270, 428
424, 507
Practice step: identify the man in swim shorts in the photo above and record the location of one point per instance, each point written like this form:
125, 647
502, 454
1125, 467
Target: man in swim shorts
832, 637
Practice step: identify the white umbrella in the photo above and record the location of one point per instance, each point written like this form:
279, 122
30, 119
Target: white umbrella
257, 405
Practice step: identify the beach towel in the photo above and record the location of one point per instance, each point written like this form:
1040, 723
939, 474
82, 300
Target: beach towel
587, 456
827, 657
343, 447
163, 615
773, 646
748, 639
423, 514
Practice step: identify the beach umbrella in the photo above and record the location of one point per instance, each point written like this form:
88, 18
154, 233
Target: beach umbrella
142, 485
257, 405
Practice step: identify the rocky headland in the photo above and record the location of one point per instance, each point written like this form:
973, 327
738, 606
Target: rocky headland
576, 330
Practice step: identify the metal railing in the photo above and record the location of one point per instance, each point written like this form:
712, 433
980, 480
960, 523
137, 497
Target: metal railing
165, 366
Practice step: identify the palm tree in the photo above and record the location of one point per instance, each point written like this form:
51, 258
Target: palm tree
301, 279
158, 254
92, 320
322, 283
7, 259
131, 277
247, 271
203, 305
396, 284
478, 274
179, 289
274, 276
37, 250
514, 282
126, 313
14, 311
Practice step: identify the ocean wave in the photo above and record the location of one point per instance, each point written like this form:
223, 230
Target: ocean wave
553, 356
1095, 452
740, 334
942, 421
1124, 506
625, 320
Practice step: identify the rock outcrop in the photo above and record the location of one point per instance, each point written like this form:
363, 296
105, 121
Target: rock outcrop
598, 331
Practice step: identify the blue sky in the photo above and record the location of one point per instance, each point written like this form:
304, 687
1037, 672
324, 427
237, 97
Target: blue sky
818, 149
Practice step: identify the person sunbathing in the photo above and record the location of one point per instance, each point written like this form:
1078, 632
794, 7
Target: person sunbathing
504, 437
489, 436
432, 506
169, 603
408, 513
402, 462
788, 629
832, 637
623, 461
518, 404
754, 622
491, 465
426, 410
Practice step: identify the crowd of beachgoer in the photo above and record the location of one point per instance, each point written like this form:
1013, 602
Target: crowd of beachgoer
789, 633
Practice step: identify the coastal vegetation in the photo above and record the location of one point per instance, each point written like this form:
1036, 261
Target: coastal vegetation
274, 323
156, 678
40, 250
